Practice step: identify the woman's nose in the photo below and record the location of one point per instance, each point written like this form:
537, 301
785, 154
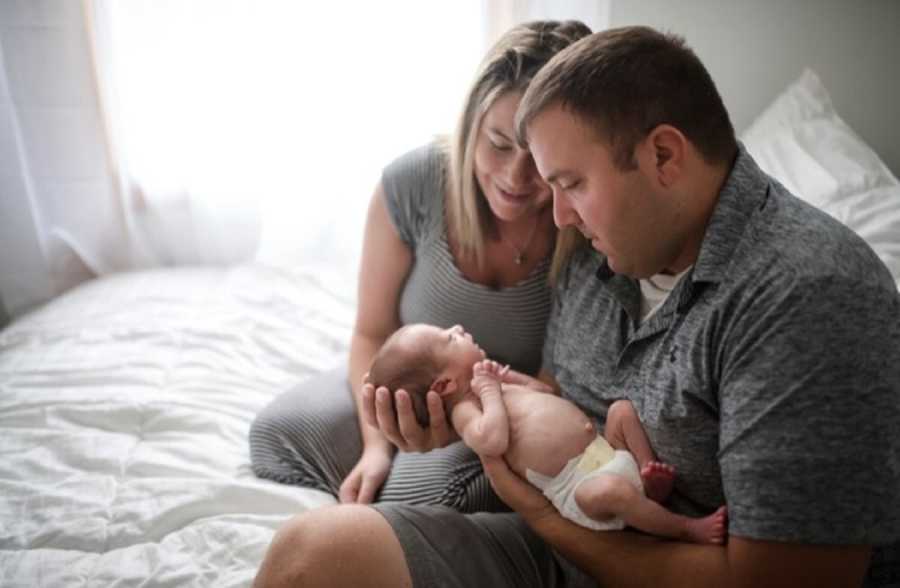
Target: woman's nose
521, 171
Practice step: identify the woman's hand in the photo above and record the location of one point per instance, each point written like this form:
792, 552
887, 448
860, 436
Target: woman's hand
366, 477
518, 494
401, 428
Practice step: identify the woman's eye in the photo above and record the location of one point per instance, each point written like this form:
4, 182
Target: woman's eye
500, 146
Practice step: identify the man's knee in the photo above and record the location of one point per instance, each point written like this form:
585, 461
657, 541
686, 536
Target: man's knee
347, 545
290, 555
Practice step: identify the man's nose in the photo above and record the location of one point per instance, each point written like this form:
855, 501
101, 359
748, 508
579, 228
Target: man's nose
563, 213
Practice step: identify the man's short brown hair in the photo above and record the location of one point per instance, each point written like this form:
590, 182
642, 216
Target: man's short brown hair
625, 82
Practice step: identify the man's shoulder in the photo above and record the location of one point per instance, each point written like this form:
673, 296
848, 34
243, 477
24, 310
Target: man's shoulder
795, 245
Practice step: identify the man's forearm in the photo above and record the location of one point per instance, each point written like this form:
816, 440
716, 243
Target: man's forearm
624, 559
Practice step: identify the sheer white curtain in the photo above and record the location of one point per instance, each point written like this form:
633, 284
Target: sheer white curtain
259, 127
232, 129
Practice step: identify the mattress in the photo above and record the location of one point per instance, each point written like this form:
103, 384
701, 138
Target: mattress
124, 411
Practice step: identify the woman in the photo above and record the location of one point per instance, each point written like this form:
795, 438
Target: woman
458, 233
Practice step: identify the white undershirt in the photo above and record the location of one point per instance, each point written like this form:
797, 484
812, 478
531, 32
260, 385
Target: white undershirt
655, 290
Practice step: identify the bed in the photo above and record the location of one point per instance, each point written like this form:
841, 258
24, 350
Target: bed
125, 403
124, 411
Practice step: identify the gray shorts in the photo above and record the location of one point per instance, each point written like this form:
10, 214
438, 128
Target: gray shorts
445, 548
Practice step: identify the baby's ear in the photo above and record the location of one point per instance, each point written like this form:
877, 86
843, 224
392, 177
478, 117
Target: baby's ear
444, 385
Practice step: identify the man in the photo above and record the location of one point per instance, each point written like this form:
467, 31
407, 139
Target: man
758, 339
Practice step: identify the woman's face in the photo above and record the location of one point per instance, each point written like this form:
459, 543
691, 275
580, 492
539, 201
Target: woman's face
506, 173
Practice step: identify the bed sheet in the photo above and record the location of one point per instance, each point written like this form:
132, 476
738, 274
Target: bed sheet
124, 412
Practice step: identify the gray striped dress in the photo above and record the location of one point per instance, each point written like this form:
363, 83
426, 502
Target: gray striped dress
309, 435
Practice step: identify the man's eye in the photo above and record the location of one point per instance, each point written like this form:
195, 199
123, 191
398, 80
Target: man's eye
569, 186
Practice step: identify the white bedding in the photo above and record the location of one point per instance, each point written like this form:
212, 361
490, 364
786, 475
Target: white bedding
124, 412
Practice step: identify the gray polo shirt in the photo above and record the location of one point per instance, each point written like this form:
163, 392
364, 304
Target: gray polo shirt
770, 377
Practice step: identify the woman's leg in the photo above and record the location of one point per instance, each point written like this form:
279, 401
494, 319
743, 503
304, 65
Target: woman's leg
309, 435
451, 476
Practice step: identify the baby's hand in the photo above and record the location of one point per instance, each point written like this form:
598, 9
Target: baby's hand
490, 368
486, 376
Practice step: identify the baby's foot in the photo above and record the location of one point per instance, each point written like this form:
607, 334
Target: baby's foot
658, 478
710, 529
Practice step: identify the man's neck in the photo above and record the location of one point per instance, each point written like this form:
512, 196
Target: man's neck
707, 189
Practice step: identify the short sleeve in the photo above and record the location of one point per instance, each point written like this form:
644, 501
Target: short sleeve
414, 192
809, 444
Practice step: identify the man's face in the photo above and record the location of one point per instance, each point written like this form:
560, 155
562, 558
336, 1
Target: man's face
620, 212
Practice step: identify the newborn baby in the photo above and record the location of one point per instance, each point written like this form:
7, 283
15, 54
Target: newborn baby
600, 482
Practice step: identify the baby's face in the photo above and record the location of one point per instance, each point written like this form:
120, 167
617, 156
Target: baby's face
454, 348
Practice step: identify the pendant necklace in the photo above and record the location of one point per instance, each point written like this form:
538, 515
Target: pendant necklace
520, 258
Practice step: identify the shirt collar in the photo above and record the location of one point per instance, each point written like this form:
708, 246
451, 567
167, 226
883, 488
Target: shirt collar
745, 191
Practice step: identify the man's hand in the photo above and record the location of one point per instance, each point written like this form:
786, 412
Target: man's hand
518, 494
400, 427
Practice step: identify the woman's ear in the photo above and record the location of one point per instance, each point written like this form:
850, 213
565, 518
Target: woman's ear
444, 385
663, 154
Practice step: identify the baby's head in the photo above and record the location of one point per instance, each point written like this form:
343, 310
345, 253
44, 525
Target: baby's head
421, 357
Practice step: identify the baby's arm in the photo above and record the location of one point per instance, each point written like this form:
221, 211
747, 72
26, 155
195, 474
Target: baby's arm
483, 423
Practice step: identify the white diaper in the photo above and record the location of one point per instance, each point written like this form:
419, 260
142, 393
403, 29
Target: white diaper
595, 460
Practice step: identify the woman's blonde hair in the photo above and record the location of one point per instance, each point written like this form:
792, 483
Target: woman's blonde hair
508, 66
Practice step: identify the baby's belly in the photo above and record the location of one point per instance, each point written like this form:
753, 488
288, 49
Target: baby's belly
545, 433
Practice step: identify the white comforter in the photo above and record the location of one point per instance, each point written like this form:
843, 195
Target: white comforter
124, 412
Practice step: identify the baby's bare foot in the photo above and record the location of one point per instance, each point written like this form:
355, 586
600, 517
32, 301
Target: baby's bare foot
658, 478
710, 529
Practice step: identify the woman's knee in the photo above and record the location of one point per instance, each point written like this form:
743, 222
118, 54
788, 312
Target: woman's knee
346, 545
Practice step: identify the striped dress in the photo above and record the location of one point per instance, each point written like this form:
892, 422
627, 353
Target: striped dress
309, 435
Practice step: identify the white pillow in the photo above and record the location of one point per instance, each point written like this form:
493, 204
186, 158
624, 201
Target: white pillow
802, 142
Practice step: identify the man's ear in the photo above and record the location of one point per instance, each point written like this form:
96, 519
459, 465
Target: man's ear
444, 385
663, 151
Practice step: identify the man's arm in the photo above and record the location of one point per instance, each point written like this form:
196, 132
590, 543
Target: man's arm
627, 559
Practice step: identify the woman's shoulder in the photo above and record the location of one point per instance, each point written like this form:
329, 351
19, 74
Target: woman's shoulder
413, 189
425, 164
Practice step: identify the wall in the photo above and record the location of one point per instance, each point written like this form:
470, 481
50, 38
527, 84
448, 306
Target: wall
755, 49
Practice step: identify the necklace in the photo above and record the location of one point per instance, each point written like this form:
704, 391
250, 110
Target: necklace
520, 251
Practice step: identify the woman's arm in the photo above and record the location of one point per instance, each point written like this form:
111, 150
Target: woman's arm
384, 265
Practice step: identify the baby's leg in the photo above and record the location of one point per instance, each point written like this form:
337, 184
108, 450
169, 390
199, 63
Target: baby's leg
608, 495
624, 431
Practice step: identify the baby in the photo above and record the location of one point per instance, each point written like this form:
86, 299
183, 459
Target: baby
593, 481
